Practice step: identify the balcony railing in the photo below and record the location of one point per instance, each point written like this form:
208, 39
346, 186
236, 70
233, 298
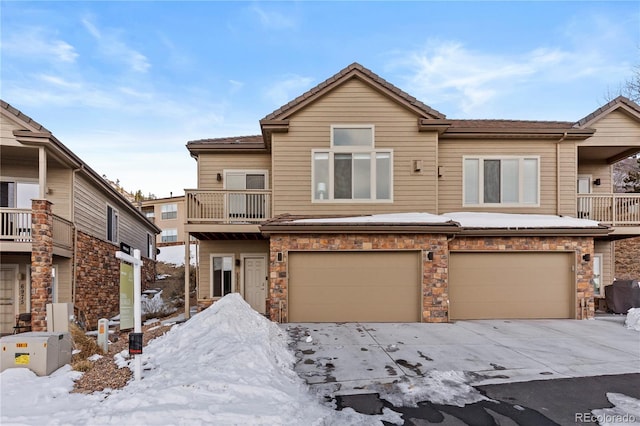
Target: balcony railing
612, 209
15, 226
249, 206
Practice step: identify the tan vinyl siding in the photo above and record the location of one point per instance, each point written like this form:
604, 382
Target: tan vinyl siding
20, 168
209, 165
602, 171
606, 249
235, 248
395, 128
65, 282
451, 157
616, 128
568, 179
91, 216
59, 181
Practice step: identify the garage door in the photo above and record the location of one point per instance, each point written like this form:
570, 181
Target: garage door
354, 286
511, 285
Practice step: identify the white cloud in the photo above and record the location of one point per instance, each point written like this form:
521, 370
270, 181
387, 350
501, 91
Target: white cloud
111, 45
285, 90
37, 44
273, 20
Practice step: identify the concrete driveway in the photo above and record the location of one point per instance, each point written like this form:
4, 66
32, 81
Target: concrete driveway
346, 358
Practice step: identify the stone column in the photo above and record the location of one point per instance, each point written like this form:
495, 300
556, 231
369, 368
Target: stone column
41, 262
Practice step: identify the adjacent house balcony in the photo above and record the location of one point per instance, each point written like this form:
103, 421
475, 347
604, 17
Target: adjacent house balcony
16, 232
617, 210
222, 211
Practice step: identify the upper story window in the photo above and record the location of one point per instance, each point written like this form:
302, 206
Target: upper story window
352, 169
112, 224
18, 194
169, 236
501, 181
169, 211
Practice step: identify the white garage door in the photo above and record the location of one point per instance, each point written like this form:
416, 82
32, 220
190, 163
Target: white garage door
511, 285
355, 286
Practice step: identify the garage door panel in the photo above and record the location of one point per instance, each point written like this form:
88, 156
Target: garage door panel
511, 285
354, 286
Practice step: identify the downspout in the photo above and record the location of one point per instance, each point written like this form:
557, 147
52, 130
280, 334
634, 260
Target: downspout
75, 236
564, 136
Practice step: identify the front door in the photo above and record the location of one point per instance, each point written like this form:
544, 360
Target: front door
255, 282
7, 298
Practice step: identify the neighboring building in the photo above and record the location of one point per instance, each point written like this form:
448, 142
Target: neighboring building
61, 225
167, 214
282, 218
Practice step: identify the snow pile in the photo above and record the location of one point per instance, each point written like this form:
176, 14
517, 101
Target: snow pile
625, 411
227, 365
633, 320
155, 305
438, 387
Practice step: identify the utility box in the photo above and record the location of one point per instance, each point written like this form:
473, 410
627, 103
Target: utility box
41, 352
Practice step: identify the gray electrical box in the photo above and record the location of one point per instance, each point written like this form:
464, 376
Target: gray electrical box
41, 352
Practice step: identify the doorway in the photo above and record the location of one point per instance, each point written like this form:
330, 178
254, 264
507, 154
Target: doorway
255, 281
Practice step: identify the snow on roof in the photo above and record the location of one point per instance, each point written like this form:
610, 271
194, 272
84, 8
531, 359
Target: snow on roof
512, 220
424, 218
465, 219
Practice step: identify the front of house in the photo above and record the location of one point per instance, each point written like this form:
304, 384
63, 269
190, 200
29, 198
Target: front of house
60, 227
347, 208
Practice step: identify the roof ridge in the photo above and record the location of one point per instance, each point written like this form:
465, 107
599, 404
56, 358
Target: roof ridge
355, 66
616, 101
23, 117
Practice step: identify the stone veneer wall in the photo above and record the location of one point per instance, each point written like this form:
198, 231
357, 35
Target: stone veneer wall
579, 245
41, 262
435, 272
98, 279
627, 259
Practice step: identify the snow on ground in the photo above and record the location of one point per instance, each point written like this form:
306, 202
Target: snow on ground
625, 411
227, 365
633, 319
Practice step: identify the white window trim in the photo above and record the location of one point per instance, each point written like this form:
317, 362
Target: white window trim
233, 272
165, 233
600, 257
481, 181
264, 172
117, 215
354, 126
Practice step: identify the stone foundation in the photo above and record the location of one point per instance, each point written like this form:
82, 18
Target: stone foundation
98, 279
627, 259
435, 272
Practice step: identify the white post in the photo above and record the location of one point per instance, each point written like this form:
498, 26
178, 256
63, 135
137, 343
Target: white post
136, 261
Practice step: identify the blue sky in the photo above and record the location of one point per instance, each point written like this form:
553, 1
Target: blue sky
126, 84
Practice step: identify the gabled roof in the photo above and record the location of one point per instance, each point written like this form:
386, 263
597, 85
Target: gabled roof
620, 102
355, 70
37, 134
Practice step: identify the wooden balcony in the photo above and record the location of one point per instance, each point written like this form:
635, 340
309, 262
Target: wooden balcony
618, 210
228, 207
16, 232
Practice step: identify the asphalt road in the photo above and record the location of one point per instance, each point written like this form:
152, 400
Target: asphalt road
536, 403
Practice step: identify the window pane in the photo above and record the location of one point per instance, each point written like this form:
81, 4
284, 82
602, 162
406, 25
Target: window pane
510, 181
362, 176
342, 176
321, 175
256, 181
471, 184
25, 193
491, 181
222, 269
352, 136
530, 183
383, 176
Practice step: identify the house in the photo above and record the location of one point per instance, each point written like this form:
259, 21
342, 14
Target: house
61, 225
315, 219
168, 215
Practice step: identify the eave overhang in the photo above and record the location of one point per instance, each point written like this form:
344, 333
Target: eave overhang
449, 228
518, 133
535, 232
